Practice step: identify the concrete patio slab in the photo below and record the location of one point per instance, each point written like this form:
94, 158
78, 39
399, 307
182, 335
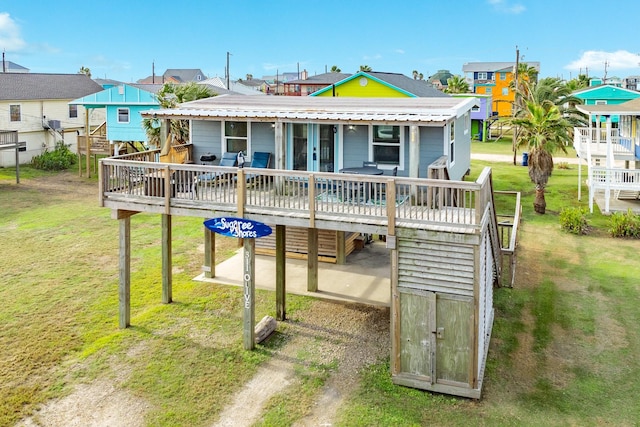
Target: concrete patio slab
363, 279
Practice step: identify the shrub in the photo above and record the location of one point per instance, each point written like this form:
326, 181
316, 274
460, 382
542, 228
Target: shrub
624, 225
574, 220
60, 158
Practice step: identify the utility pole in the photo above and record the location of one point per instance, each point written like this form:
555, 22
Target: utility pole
228, 87
515, 107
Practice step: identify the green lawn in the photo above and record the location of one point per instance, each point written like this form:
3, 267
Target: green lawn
563, 352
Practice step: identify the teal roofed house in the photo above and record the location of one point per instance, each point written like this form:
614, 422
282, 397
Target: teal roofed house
606, 95
123, 104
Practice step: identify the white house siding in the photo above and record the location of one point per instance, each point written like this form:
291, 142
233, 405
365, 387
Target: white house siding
30, 128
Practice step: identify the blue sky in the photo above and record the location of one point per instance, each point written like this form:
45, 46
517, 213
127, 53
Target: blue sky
122, 39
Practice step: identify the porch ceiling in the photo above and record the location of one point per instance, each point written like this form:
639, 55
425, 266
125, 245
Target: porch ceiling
272, 108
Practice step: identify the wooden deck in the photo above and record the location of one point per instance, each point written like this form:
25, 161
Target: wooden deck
323, 200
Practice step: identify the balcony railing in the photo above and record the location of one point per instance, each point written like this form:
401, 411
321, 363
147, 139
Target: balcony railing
375, 200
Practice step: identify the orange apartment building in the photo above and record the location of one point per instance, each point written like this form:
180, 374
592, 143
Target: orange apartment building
495, 79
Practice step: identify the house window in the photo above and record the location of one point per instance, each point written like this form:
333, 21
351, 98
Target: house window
475, 108
236, 137
467, 123
14, 113
482, 75
505, 91
600, 102
123, 115
487, 90
452, 139
386, 145
73, 111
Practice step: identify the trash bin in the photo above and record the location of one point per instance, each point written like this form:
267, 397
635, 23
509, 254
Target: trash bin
525, 159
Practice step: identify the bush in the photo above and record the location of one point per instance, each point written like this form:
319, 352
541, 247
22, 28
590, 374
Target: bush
574, 220
624, 225
60, 158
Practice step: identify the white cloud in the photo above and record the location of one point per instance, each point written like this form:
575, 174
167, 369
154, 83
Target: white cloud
505, 6
595, 60
400, 51
372, 57
10, 38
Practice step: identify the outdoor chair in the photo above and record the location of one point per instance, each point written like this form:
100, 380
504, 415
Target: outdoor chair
260, 160
366, 164
208, 179
228, 159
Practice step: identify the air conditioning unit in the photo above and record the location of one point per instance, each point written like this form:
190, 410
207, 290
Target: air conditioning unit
54, 124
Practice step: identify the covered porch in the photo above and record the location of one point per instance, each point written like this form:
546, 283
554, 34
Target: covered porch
612, 156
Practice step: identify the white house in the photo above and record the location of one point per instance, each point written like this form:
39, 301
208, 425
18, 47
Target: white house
37, 106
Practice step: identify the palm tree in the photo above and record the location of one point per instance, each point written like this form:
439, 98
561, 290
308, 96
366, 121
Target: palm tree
415, 74
527, 72
580, 82
170, 96
555, 91
85, 70
543, 129
457, 84
335, 69
365, 68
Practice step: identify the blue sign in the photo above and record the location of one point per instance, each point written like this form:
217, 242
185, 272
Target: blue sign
238, 227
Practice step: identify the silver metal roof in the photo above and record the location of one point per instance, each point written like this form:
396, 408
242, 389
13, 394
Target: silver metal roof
307, 108
629, 108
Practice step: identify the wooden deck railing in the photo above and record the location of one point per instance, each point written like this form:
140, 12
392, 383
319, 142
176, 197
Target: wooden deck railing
8, 137
508, 217
410, 202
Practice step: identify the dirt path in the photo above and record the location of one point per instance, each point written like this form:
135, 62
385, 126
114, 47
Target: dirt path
352, 336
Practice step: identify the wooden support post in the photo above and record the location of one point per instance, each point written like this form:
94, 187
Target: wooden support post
249, 294
312, 260
167, 282
17, 162
209, 266
477, 287
341, 250
312, 201
395, 315
87, 130
124, 279
281, 267
79, 157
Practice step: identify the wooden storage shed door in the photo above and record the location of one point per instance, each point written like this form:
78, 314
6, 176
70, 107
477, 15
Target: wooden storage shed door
436, 337
417, 340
